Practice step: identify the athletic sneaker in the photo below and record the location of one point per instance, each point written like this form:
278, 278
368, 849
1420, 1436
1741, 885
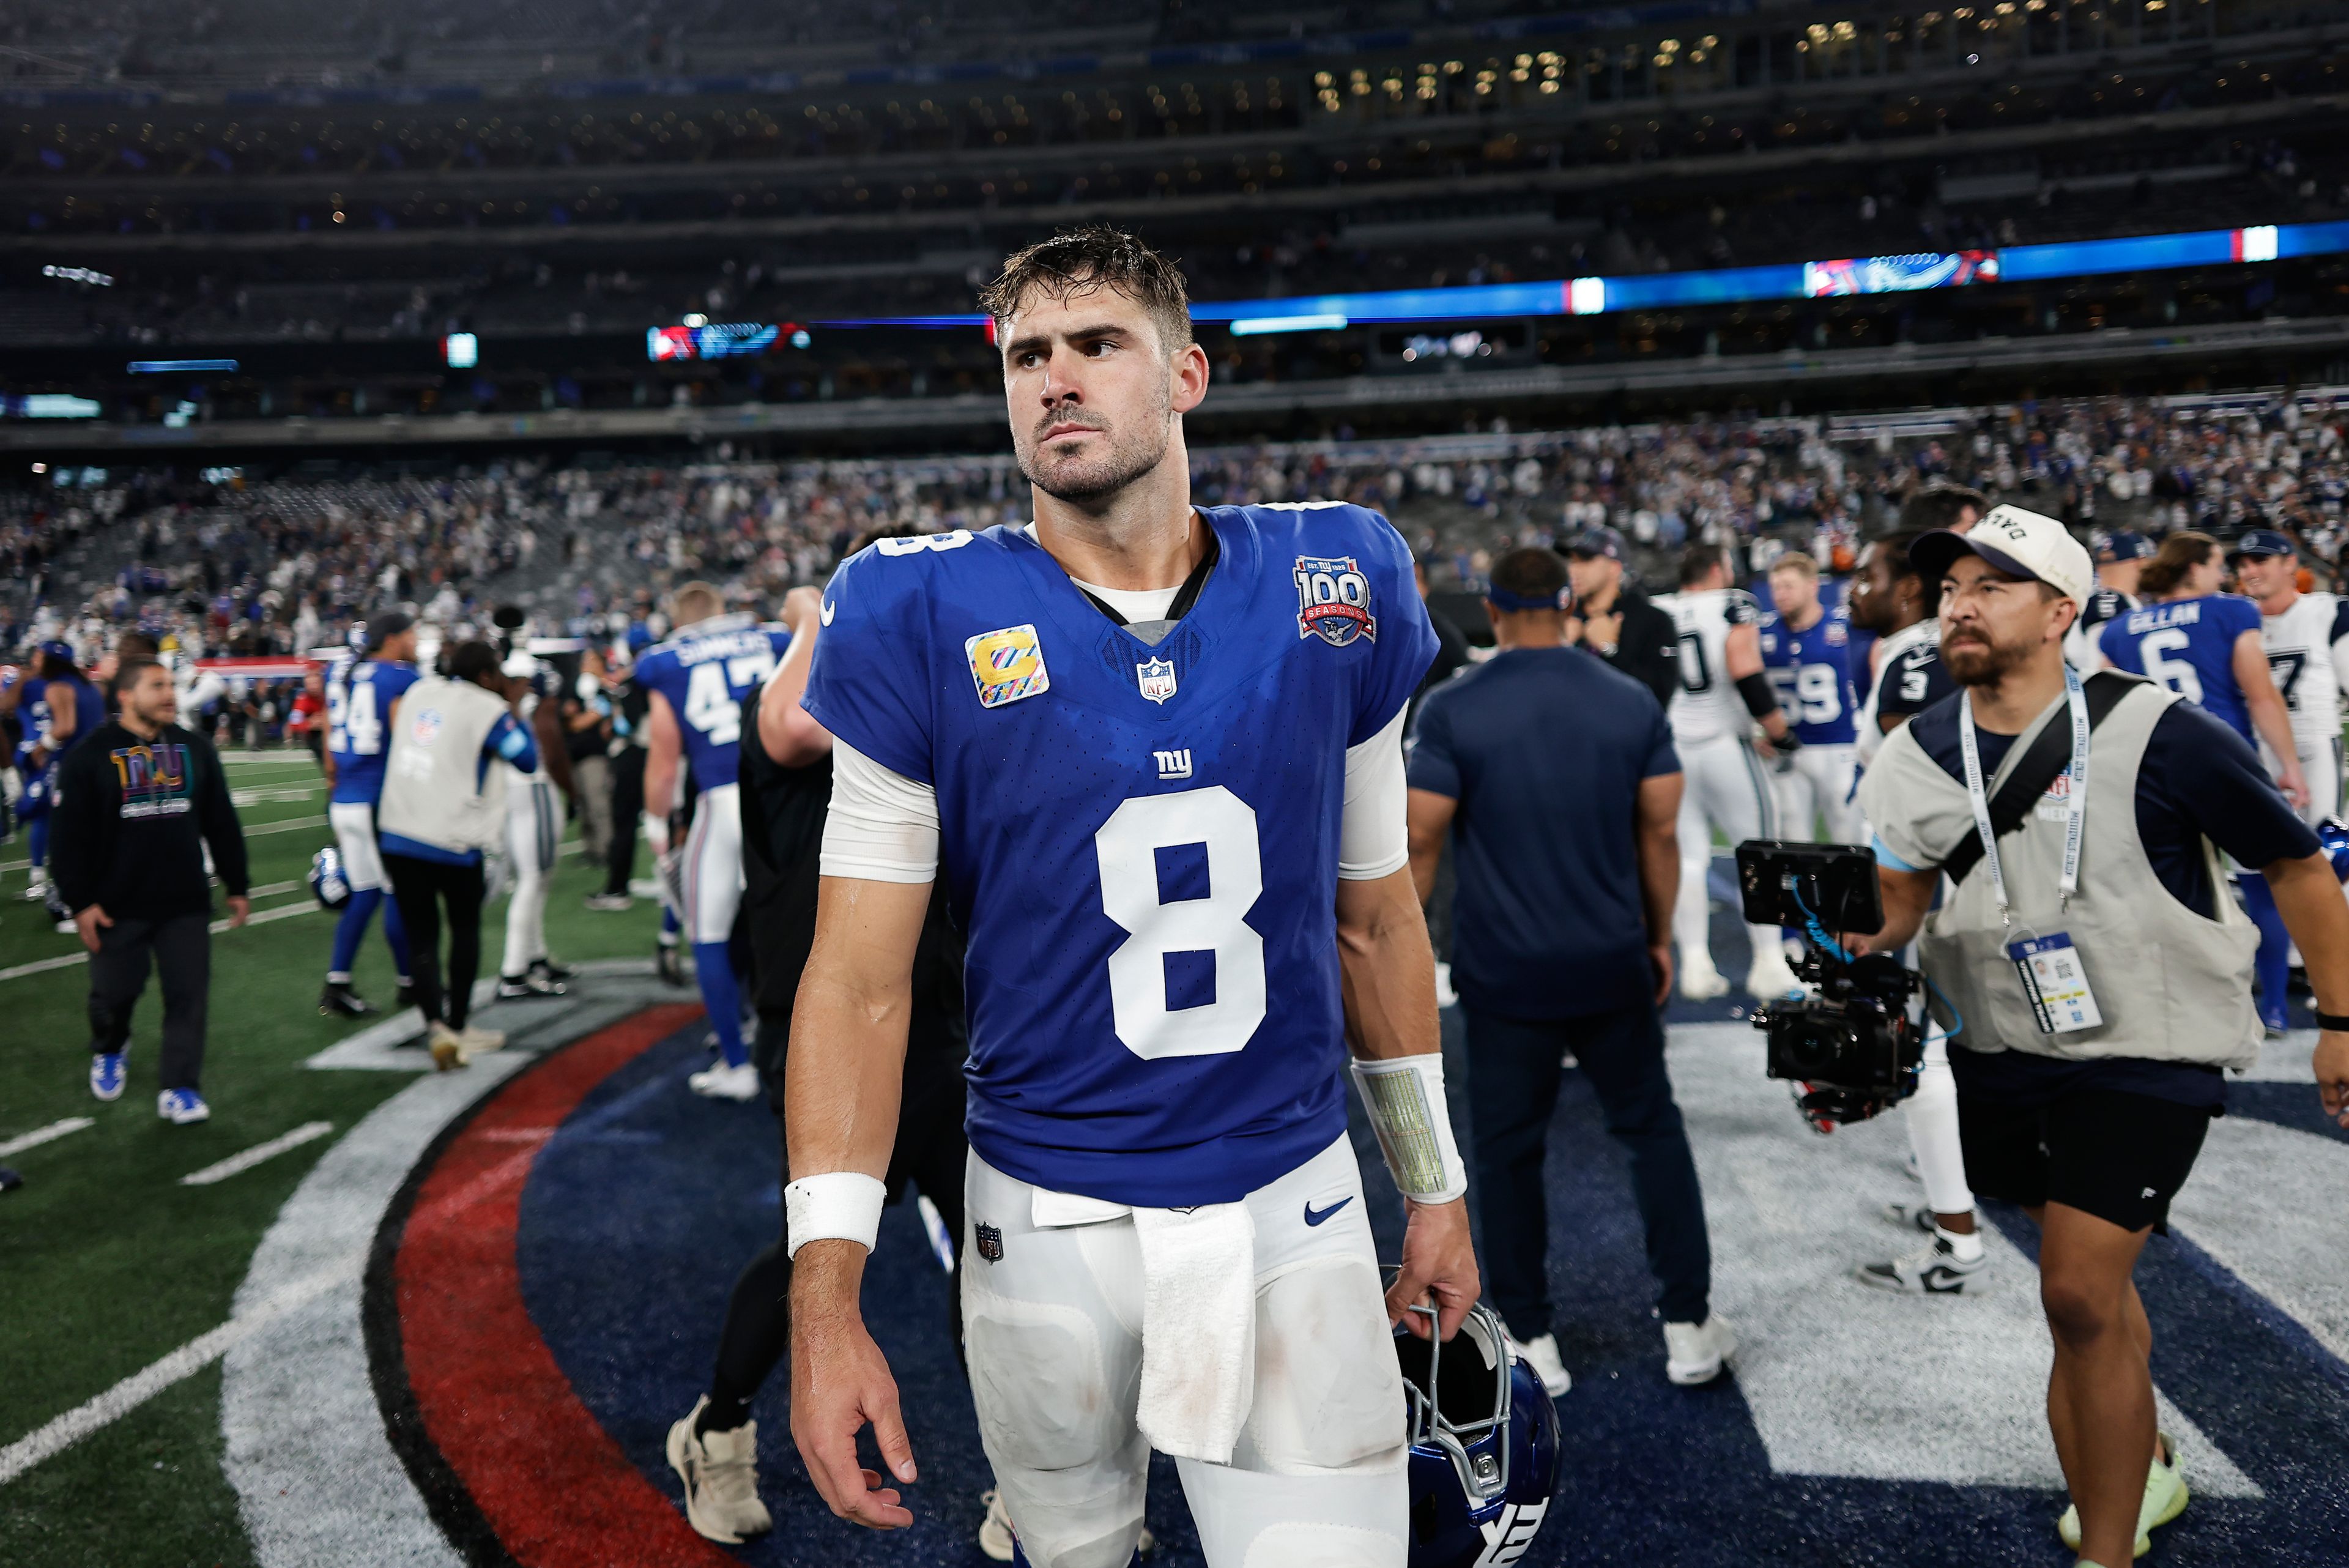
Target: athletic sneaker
667, 964
1769, 978
9, 1179
1695, 1353
1932, 1270
448, 1047
520, 987
995, 1538
37, 891
339, 998
182, 1108
720, 1472
1701, 981
1541, 1353
610, 903
548, 969
107, 1074
479, 1041
725, 1083
1916, 1217
2165, 1499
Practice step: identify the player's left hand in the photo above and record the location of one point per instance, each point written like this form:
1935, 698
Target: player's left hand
2331, 1063
1438, 1260
2293, 782
240, 909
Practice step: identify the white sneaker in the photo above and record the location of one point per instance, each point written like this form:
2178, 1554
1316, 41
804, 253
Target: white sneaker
35, 892
1932, 1270
1700, 982
725, 1083
720, 1472
1769, 978
995, 1537
2166, 1498
1541, 1353
480, 1042
448, 1047
1695, 1352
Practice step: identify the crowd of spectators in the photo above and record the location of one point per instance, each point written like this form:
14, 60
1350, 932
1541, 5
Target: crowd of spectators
258, 566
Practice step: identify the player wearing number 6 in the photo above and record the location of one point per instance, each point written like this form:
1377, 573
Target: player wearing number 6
2206, 647
696, 682
1155, 751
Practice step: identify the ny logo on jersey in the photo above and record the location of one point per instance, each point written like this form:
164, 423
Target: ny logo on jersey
1333, 600
1156, 678
1174, 765
1510, 1536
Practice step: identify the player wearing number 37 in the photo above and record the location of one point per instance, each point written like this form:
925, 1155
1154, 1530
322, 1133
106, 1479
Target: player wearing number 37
1155, 751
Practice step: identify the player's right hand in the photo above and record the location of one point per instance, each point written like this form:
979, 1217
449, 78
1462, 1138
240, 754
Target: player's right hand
840, 1382
801, 606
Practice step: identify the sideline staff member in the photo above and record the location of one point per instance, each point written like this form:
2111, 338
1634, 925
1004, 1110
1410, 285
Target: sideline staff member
1558, 777
1617, 620
2087, 1102
137, 804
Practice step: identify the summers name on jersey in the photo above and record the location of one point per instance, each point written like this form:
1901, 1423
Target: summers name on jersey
1707, 705
360, 699
1141, 840
1811, 673
2304, 654
705, 671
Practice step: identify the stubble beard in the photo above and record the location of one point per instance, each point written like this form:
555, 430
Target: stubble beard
1083, 480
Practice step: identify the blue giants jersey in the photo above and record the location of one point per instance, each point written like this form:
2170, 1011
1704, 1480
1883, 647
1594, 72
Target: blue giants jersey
1811, 673
705, 671
360, 699
1141, 841
89, 712
2188, 645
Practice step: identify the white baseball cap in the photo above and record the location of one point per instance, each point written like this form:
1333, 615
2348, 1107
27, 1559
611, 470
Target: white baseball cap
2018, 542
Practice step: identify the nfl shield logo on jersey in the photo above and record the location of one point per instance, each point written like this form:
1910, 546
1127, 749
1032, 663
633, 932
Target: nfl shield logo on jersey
1007, 664
1333, 600
1156, 678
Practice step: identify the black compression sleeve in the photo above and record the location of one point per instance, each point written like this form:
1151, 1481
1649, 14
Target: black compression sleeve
1760, 701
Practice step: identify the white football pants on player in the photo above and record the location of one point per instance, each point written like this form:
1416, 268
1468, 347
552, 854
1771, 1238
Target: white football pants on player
2321, 765
1815, 794
711, 869
1053, 1327
353, 822
534, 829
1724, 785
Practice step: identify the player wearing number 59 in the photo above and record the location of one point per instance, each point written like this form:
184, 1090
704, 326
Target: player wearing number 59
1154, 749
696, 681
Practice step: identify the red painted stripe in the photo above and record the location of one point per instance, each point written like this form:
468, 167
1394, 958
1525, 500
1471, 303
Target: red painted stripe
548, 1479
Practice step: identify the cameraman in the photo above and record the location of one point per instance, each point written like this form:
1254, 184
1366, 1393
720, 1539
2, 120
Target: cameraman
2087, 1102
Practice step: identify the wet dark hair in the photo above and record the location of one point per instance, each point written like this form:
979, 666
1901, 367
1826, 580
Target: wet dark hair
1698, 561
1532, 573
1078, 261
1941, 505
471, 661
1893, 549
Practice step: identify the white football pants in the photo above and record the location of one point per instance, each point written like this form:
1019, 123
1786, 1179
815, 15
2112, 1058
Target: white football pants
711, 871
1816, 793
1723, 786
534, 829
353, 826
1053, 1329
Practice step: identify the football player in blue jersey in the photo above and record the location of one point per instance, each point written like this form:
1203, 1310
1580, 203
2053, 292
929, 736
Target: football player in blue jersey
361, 698
1807, 654
1154, 749
56, 708
696, 681
2208, 647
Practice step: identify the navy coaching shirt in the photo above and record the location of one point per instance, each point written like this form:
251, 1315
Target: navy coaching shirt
1545, 748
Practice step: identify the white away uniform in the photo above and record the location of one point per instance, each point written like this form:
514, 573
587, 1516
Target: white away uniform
534, 831
2305, 655
1724, 783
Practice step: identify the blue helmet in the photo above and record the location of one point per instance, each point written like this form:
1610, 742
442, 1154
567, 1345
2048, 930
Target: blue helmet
329, 881
1483, 1446
2332, 836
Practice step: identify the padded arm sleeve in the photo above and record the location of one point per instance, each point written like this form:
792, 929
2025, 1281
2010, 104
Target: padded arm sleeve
883, 826
1374, 835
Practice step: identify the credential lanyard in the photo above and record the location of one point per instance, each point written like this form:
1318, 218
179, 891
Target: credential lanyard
2075, 805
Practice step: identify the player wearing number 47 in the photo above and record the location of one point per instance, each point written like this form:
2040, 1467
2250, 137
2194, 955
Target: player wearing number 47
1166, 968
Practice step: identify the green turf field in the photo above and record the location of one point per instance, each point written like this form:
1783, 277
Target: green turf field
107, 1264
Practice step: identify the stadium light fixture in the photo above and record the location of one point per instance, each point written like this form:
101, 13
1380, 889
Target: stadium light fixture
1260, 326
461, 350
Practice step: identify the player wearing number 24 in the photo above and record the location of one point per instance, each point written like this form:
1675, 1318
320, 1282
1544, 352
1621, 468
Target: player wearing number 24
1168, 967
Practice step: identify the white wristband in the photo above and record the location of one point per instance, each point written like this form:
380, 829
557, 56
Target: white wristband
656, 832
1404, 1095
839, 1205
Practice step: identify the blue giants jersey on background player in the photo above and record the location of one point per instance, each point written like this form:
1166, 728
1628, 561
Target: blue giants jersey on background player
705, 671
1811, 673
359, 700
1141, 840
2189, 646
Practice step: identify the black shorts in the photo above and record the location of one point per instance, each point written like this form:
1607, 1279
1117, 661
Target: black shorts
2119, 1155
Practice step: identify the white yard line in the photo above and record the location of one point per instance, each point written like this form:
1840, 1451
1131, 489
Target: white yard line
40, 1136
237, 1163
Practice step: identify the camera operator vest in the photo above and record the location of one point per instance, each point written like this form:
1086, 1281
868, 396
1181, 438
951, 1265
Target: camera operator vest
2172, 985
